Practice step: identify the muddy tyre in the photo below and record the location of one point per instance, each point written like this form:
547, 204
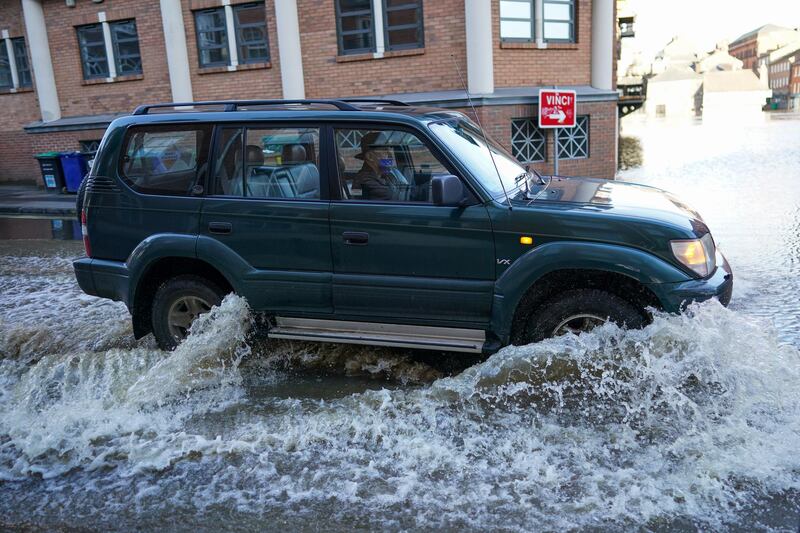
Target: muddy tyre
580, 310
177, 303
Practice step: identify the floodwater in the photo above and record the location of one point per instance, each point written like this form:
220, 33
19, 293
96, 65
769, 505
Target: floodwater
692, 423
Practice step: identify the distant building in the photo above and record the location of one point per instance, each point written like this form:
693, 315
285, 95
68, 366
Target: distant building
736, 92
753, 46
794, 86
679, 53
780, 64
719, 59
674, 93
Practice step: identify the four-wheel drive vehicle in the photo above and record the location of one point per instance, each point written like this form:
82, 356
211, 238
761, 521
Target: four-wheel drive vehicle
377, 223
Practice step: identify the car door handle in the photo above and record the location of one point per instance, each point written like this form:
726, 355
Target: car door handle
358, 238
220, 227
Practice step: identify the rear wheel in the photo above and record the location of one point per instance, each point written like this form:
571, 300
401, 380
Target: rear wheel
580, 310
176, 305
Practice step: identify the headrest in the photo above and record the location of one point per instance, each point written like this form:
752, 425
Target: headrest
294, 153
255, 155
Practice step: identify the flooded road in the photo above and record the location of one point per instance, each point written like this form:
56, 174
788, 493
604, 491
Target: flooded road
691, 423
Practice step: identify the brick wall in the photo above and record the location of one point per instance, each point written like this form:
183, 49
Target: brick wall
518, 64
18, 108
326, 74
747, 51
429, 69
63, 141
86, 97
250, 81
602, 161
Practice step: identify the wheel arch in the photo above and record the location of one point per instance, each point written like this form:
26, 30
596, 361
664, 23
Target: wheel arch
628, 288
533, 277
156, 273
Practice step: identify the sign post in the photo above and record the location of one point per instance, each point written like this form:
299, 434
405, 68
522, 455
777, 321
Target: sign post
556, 110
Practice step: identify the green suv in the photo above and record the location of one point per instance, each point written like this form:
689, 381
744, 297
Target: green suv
374, 222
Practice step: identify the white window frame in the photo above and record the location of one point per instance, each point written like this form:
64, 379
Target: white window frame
531, 21
380, 29
12, 61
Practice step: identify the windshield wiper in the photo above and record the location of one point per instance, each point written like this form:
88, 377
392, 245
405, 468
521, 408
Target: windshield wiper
539, 176
541, 191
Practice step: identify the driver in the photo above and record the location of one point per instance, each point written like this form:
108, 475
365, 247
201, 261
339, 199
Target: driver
379, 178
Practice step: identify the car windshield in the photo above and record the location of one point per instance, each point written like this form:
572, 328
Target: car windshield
466, 141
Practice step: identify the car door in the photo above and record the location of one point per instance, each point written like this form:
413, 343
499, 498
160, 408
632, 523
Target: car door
397, 257
268, 203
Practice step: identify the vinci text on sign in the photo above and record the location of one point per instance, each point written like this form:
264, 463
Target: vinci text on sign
556, 109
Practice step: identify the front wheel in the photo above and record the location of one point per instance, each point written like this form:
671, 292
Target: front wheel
177, 303
580, 310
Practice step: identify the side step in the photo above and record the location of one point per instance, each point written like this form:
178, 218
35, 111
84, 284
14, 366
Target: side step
400, 335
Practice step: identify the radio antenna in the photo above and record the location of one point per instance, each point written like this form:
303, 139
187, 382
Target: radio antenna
480, 127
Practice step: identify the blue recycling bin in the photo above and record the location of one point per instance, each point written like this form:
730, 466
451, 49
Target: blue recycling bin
73, 164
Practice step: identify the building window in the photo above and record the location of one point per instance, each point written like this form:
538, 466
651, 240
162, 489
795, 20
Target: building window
212, 37
93, 51
573, 143
527, 141
121, 59
516, 20
6, 81
559, 20
89, 146
21, 59
354, 24
403, 22
125, 41
251, 33
248, 44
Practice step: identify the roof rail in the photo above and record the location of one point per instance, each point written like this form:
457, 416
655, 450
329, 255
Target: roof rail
374, 101
232, 105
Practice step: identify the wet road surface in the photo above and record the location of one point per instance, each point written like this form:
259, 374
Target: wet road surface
691, 423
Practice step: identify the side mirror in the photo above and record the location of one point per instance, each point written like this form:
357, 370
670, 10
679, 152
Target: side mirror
447, 191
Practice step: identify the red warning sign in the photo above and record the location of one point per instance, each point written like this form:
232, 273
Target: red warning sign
556, 109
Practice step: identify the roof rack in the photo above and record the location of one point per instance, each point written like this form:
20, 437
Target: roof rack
374, 101
233, 105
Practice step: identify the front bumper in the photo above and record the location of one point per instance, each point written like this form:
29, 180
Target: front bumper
675, 297
107, 279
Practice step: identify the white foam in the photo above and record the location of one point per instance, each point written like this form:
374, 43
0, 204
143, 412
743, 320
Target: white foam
694, 417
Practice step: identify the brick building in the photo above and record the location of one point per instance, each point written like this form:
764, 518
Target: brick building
794, 85
71, 66
752, 47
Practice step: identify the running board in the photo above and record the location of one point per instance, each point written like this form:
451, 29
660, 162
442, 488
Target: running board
399, 335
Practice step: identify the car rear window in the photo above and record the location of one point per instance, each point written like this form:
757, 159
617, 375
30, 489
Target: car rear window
165, 159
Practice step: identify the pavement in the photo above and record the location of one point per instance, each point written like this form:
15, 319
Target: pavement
29, 200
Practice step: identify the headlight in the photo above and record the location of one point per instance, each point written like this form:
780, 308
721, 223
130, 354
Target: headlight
697, 254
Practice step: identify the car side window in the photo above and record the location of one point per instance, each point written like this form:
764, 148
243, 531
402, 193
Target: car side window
165, 159
385, 165
273, 163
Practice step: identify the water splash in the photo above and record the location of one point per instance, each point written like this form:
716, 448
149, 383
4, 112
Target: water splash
695, 416
694, 419
93, 409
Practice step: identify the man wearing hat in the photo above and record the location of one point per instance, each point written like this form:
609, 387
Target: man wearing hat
379, 178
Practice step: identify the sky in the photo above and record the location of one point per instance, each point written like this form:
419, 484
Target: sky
706, 22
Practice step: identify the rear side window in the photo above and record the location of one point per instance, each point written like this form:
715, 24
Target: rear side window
165, 159
278, 163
